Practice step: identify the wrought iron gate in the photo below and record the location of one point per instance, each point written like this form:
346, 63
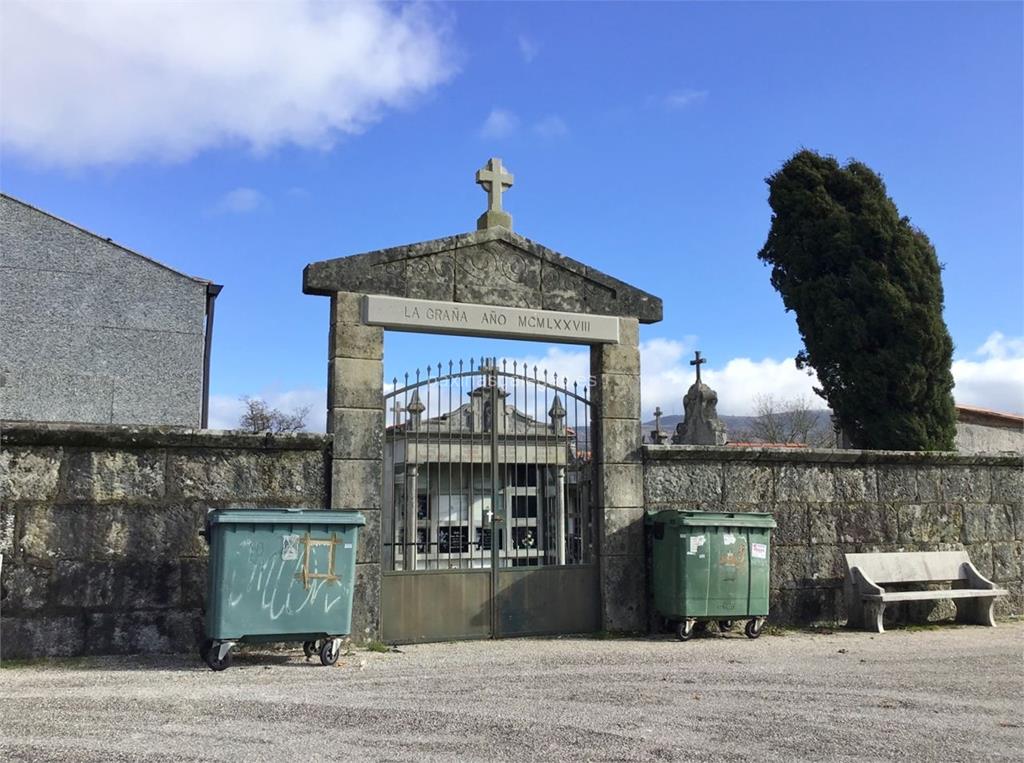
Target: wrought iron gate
488, 522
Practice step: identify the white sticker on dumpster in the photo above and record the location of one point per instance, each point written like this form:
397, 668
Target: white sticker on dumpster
759, 550
728, 539
289, 548
696, 541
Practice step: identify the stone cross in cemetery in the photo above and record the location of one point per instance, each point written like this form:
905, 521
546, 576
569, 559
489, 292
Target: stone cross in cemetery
700, 424
657, 436
494, 179
698, 361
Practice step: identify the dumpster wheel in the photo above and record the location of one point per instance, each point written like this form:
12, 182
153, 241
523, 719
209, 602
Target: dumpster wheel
309, 648
330, 651
724, 626
753, 628
685, 629
215, 656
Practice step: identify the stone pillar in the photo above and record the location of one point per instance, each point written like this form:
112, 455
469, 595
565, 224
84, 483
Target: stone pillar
615, 372
355, 416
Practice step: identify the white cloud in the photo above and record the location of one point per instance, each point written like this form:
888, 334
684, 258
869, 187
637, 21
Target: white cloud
240, 201
528, 49
666, 374
226, 410
996, 381
680, 99
743, 380
500, 123
1002, 347
551, 127
115, 82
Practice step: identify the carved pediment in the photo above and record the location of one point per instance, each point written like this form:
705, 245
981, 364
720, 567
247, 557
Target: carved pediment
492, 267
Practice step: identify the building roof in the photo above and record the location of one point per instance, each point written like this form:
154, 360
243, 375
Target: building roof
970, 414
105, 239
472, 418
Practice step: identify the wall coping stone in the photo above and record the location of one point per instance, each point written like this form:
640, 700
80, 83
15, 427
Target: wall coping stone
826, 456
13, 433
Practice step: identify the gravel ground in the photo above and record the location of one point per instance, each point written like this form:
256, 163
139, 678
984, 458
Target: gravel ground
952, 693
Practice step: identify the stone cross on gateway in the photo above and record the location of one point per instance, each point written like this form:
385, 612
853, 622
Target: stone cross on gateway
494, 179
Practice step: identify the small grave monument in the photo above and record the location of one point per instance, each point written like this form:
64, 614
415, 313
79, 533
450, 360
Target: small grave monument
657, 436
700, 425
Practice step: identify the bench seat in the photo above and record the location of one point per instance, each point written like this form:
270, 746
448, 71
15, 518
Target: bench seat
867, 574
945, 593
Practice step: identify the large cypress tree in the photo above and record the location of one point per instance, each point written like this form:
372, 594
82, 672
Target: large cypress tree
866, 289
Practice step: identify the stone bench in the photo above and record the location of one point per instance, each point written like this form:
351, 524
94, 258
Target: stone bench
972, 593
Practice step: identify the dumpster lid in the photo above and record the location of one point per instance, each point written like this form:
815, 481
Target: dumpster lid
715, 519
284, 516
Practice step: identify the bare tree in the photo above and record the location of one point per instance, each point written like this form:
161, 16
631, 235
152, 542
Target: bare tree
791, 420
259, 417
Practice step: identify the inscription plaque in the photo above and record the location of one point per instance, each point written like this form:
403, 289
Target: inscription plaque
432, 317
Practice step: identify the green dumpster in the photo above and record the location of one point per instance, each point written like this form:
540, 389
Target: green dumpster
279, 575
711, 567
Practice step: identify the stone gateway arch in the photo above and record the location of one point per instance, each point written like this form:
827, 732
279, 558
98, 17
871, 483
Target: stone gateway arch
490, 282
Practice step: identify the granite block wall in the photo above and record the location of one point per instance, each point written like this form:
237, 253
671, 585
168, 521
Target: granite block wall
99, 528
828, 503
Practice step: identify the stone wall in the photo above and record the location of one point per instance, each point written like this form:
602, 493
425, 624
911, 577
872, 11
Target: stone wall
99, 528
828, 503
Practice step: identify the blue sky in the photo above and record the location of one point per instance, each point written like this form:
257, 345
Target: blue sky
238, 142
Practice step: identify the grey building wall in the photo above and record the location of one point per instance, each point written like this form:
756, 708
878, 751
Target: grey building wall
99, 528
92, 332
980, 438
983, 431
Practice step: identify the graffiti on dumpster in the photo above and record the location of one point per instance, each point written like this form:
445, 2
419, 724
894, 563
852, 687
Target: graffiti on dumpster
287, 586
735, 558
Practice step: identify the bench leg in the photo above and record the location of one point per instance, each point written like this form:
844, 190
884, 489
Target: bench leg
854, 610
976, 611
873, 611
